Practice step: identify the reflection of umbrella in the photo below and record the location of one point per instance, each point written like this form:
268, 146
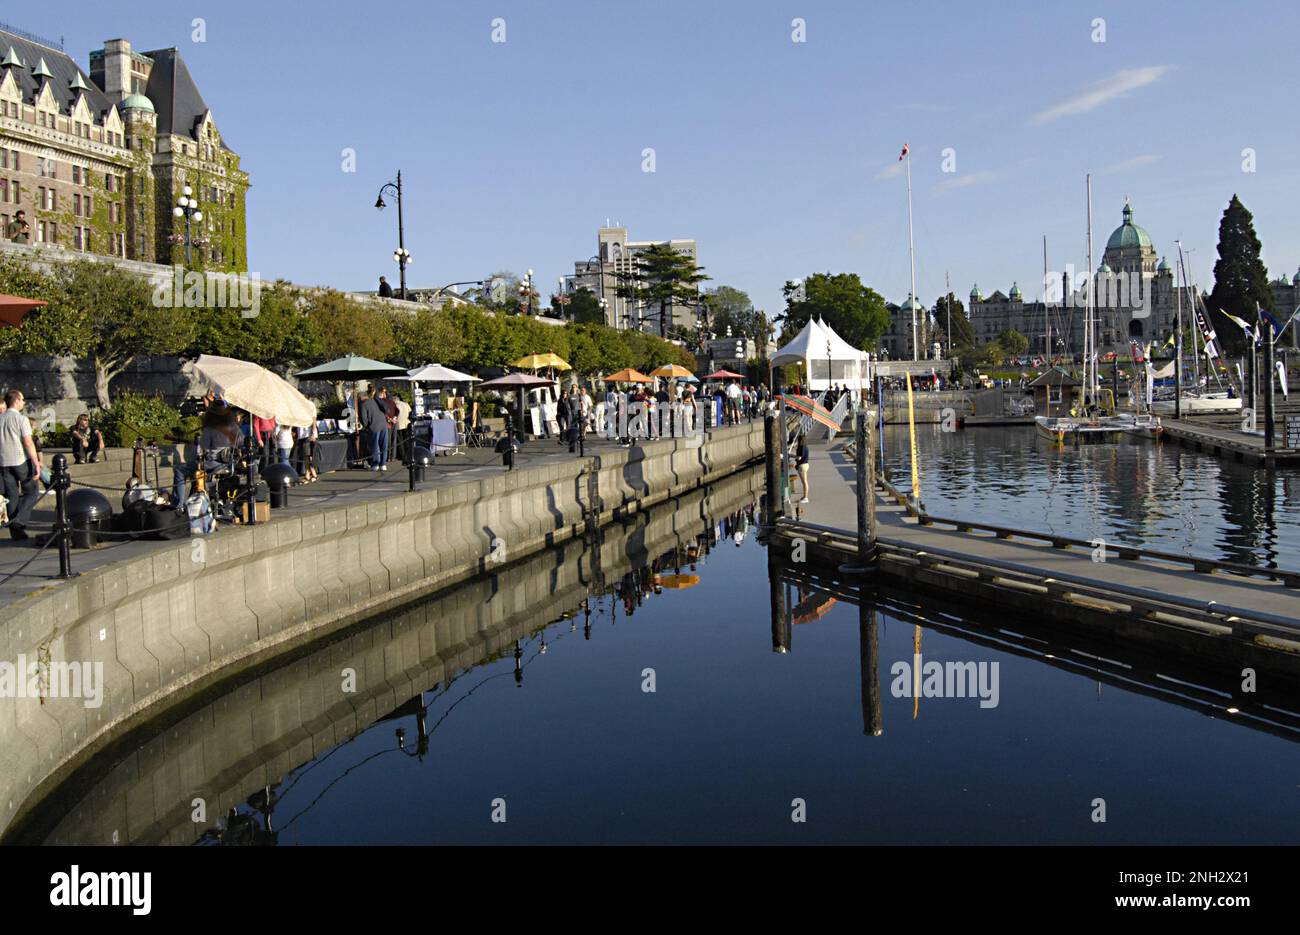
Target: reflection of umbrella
679, 581
538, 361
628, 375
671, 370
256, 389
14, 308
810, 408
812, 608
724, 375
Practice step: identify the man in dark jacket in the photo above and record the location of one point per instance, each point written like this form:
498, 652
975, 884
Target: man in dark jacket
374, 419
385, 290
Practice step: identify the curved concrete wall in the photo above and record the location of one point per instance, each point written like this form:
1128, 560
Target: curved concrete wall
166, 626
256, 732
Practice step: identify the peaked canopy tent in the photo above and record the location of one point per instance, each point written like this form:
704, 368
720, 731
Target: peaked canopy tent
827, 358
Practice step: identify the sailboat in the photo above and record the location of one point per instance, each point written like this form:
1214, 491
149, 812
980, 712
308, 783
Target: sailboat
1086, 421
1199, 399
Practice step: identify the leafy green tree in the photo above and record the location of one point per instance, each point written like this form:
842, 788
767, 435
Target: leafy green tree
963, 332
584, 308
660, 278
1240, 277
729, 307
1012, 343
428, 336
346, 326
855, 311
108, 315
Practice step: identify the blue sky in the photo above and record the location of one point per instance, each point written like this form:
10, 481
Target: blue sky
777, 156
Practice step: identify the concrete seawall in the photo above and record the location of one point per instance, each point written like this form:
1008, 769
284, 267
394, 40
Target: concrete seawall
172, 623
261, 728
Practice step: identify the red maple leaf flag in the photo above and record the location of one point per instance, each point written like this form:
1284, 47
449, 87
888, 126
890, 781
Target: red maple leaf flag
903, 153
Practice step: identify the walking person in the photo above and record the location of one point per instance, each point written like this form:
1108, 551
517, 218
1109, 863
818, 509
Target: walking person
385, 290
801, 463
390, 413
20, 464
284, 443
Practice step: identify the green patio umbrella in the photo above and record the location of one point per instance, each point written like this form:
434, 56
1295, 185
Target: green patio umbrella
351, 368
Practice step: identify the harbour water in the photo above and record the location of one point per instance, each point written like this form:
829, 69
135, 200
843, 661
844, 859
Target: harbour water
664, 699
1135, 492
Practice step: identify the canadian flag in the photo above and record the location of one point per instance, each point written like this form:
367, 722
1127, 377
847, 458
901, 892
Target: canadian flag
903, 153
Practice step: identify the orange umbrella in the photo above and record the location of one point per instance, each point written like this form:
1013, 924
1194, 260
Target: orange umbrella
13, 309
679, 581
628, 375
810, 408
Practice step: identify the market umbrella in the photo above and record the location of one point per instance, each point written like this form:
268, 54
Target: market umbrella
679, 581
436, 373
672, 370
724, 375
248, 386
628, 375
14, 308
519, 382
350, 367
539, 361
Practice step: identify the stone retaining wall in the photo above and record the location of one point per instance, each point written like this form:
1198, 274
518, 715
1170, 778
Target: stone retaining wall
173, 622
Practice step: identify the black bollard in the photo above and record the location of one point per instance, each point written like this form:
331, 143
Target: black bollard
60, 480
410, 458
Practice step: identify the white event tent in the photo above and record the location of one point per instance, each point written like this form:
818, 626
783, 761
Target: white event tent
827, 358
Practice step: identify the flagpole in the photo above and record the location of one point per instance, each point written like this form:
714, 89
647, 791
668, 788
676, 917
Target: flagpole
911, 256
1269, 433
1089, 336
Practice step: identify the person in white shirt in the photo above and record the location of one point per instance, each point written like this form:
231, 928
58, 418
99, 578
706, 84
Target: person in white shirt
20, 464
284, 442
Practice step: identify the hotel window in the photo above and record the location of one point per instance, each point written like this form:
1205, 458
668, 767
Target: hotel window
51, 200
76, 237
76, 204
17, 167
40, 232
89, 204
4, 191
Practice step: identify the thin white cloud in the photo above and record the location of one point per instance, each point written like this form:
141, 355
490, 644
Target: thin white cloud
891, 171
1092, 97
1137, 162
963, 181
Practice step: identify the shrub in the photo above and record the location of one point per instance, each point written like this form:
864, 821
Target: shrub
138, 416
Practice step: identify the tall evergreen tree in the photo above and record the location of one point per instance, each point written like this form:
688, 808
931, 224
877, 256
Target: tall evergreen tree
662, 279
963, 332
1240, 277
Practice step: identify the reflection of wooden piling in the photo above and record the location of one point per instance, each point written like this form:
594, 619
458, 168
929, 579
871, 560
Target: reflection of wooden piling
781, 624
873, 722
771, 451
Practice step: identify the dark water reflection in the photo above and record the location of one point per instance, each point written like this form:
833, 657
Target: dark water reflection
526, 691
1161, 496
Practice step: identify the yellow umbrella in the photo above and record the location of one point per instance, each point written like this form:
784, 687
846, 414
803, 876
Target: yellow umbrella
671, 370
679, 581
538, 361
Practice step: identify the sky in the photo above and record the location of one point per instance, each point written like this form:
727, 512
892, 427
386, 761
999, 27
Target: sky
780, 157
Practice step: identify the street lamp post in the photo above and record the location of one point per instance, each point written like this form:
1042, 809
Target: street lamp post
187, 207
401, 256
526, 292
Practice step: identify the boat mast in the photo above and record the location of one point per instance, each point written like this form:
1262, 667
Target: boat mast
1178, 340
1089, 338
1047, 317
911, 256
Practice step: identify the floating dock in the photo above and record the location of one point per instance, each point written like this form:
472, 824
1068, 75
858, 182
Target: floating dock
1234, 614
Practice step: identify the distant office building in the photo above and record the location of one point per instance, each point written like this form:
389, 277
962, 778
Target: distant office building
615, 260
98, 160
